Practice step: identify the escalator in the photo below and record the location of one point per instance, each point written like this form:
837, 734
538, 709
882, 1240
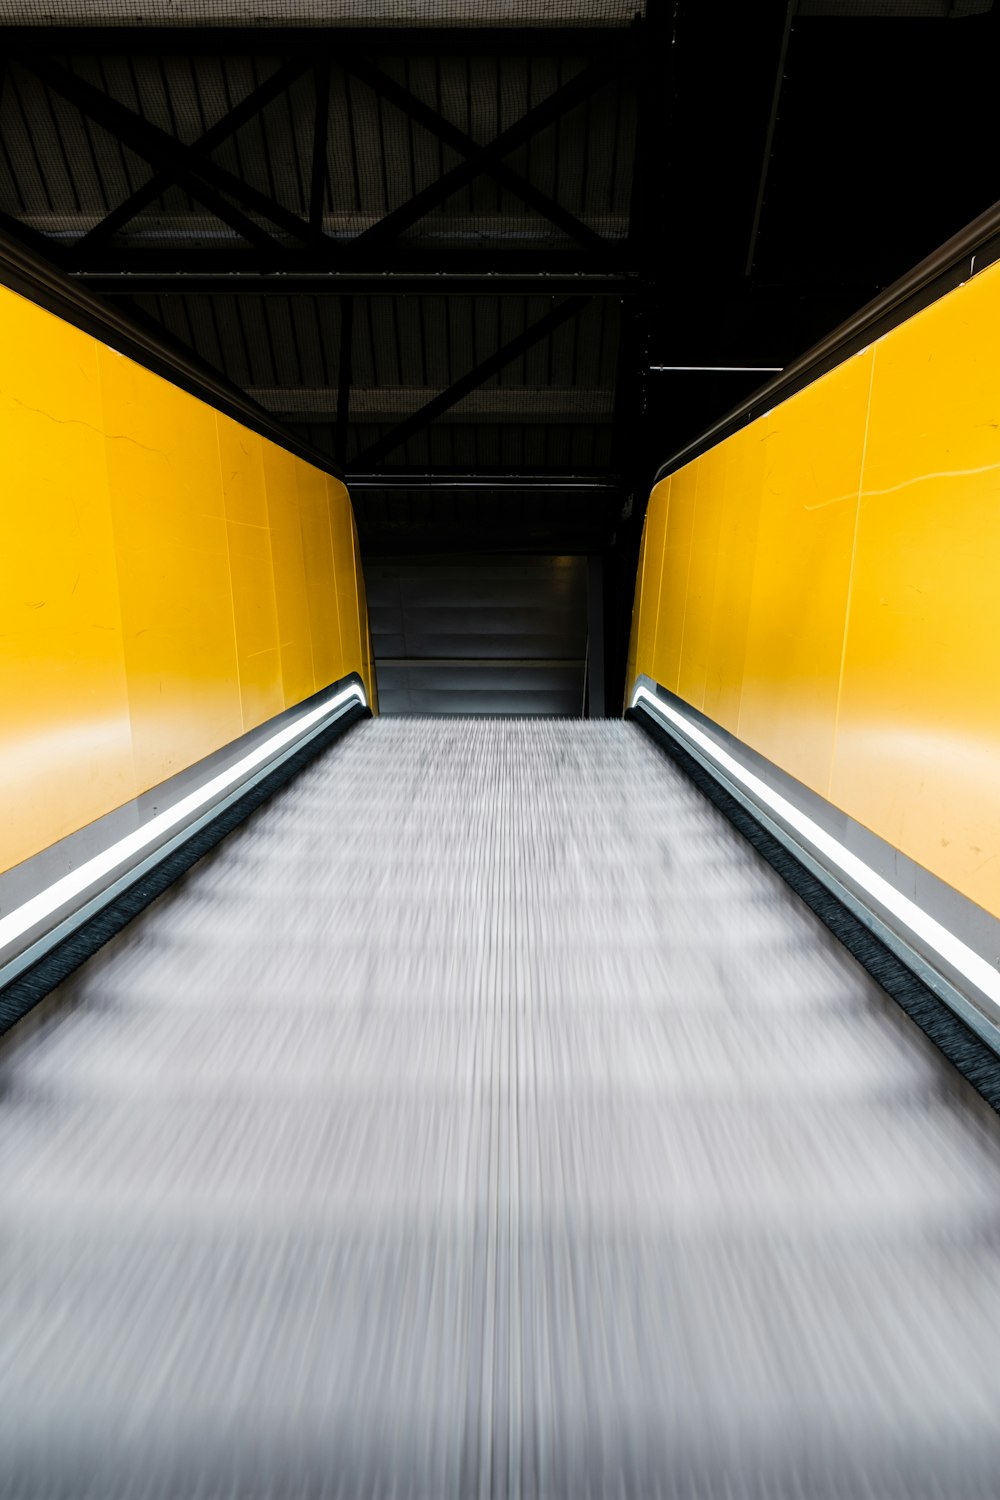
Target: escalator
484, 1116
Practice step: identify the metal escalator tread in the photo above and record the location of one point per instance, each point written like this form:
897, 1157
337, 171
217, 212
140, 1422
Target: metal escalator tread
485, 1118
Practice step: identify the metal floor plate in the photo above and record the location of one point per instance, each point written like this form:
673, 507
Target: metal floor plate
485, 1118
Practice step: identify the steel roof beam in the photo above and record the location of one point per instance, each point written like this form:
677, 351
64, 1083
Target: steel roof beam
549, 110
187, 166
480, 159
513, 483
475, 377
349, 283
233, 121
283, 41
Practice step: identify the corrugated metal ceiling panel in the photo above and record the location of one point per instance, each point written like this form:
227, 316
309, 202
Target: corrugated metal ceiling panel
63, 172
372, 13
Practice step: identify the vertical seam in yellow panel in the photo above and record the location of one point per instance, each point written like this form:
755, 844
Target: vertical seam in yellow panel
270, 563
118, 587
229, 568
336, 590
850, 576
305, 577
363, 640
659, 581
687, 575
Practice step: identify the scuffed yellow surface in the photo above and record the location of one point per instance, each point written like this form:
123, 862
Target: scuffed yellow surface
824, 585
168, 579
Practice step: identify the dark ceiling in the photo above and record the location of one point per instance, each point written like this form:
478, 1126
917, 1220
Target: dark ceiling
496, 265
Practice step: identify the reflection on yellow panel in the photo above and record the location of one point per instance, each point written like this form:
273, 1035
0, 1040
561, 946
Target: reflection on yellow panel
288, 564
739, 478
860, 644
918, 738
167, 579
173, 567
666, 661
653, 532
696, 644
242, 469
812, 448
261, 690
65, 746
321, 585
342, 529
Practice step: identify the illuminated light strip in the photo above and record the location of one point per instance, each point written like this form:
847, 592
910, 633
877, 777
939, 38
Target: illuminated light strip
23, 918
963, 959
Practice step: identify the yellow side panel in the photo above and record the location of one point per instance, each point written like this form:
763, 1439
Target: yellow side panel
65, 746
173, 569
812, 448
242, 465
654, 531
321, 583
738, 477
342, 528
289, 568
696, 645
918, 742
665, 664
829, 587
168, 580
258, 657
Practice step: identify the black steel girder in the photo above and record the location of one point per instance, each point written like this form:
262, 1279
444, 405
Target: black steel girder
468, 382
231, 122
289, 41
228, 196
484, 283
187, 165
481, 159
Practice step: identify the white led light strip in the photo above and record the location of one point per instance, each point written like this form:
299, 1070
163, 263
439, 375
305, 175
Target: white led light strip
963, 959
49, 901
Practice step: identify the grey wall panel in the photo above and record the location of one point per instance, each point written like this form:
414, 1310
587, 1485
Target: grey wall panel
494, 635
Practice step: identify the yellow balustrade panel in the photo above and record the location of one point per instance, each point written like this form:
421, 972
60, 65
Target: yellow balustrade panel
174, 581
288, 562
738, 479
168, 579
918, 733
65, 732
321, 580
679, 493
827, 586
812, 448
251, 566
699, 597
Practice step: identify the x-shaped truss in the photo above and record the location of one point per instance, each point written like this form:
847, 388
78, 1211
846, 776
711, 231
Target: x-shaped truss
191, 166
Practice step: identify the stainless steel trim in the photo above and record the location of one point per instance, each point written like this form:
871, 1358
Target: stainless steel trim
977, 929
